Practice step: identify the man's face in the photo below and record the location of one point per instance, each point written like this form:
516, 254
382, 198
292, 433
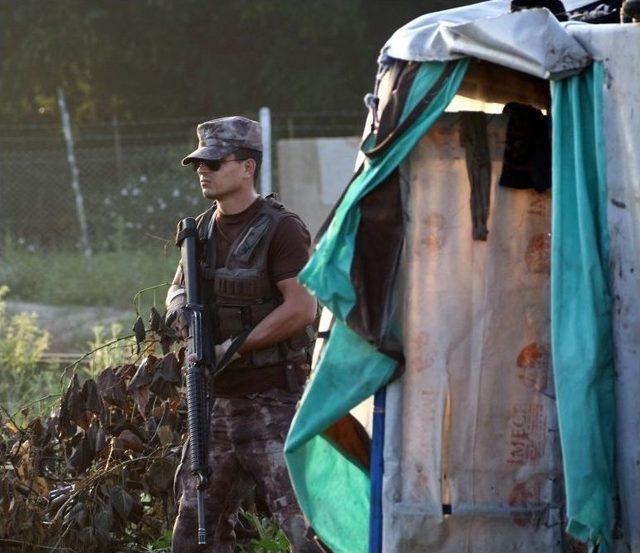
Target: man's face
231, 177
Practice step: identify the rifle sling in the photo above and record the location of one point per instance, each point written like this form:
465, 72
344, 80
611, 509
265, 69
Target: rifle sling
233, 348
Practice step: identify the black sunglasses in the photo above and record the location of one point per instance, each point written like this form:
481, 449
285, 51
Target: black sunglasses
213, 164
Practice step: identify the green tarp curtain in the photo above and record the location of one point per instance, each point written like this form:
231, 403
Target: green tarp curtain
333, 491
582, 345
327, 274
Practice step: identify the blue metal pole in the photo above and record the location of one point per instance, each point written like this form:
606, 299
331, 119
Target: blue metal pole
377, 470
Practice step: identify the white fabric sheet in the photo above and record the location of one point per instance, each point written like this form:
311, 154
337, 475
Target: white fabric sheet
472, 421
531, 41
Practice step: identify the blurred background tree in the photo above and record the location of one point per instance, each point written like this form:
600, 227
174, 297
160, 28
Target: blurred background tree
167, 58
138, 75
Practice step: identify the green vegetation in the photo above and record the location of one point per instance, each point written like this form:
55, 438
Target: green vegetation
110, 278
270, 539
110, 351
162, 544
22, 344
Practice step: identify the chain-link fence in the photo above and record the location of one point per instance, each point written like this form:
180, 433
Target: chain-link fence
132, 184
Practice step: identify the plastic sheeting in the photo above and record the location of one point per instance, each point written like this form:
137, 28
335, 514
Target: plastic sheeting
477, 431
531, 41
472, 422
621, 94
331, 489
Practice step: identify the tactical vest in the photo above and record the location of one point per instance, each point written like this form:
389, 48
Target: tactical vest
239, 294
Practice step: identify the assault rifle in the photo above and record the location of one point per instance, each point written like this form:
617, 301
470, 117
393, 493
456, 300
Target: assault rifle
200, 362
197, 366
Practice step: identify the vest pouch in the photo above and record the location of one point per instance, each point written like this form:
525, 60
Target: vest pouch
266, 356
270, 355
229, 322
236, 288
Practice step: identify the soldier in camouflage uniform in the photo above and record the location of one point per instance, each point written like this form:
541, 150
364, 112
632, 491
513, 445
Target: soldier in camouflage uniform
251, 249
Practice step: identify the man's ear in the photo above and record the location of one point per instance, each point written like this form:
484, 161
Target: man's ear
251, 166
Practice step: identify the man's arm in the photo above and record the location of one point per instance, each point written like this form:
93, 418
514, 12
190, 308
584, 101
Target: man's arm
176, 286
174, 303
296, 311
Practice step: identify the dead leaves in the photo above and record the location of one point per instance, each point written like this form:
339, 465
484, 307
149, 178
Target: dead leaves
111, 387
139, 332
88, 477
166, 377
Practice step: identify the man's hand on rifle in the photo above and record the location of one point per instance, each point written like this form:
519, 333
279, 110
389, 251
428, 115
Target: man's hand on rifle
176, 318
221, 350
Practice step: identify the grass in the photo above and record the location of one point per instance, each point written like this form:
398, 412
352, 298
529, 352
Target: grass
109, 278
270, 538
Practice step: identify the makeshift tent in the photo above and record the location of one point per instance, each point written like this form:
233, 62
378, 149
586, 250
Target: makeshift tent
509, 316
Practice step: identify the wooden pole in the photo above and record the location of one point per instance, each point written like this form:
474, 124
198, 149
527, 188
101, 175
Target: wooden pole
117, 147
75, 175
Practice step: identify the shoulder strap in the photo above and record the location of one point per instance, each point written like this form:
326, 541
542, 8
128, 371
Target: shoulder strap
206, 225
257, 231
204, 220
248, 243
273, 201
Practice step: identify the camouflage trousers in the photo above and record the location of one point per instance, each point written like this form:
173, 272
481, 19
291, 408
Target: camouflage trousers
246, 439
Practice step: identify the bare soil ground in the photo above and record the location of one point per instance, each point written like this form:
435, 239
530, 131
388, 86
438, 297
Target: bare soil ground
70, 326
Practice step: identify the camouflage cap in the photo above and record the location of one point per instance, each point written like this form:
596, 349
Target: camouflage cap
220, 137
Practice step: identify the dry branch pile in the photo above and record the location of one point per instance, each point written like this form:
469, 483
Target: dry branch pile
97, 475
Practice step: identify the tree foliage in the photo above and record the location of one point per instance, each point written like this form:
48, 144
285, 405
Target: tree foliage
159, 58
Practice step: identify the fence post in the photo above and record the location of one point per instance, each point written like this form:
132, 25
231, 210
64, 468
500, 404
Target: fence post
75, 175
265, 172
117, 146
